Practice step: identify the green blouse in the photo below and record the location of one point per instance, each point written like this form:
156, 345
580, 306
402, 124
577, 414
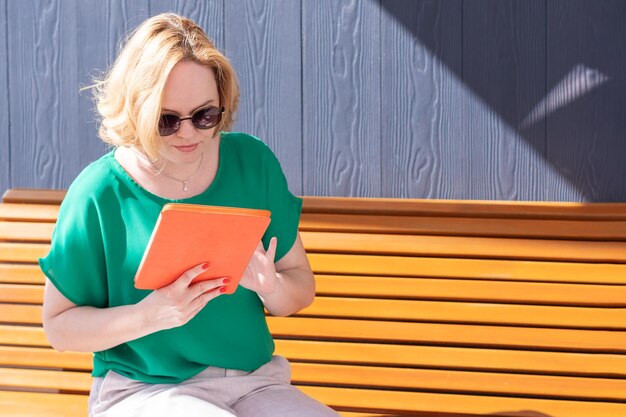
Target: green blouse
104, 225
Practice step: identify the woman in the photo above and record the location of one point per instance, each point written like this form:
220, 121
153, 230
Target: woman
185, 349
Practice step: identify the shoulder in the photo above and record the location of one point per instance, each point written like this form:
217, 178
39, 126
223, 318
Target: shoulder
93, 183
253, 153
247, 144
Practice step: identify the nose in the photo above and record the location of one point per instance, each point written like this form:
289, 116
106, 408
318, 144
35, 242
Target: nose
186, 129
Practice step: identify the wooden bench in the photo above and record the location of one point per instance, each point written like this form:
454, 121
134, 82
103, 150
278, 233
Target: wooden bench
424, 308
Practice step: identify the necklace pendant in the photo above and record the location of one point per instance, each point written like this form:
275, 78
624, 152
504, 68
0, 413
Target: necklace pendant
185, 186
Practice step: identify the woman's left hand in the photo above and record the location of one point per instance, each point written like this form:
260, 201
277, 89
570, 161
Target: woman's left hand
260, 274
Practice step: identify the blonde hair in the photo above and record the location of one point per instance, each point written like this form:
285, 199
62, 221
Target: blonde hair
128, 97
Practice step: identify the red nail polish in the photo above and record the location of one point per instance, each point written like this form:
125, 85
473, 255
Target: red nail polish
205, 265
226, 281
223, 290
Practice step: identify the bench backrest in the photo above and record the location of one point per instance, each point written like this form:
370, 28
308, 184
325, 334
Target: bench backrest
423, 307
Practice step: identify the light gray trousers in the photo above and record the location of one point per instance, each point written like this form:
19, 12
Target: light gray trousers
215, 392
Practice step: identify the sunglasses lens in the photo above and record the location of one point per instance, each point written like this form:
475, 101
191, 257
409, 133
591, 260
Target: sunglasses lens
168, 124
207, 118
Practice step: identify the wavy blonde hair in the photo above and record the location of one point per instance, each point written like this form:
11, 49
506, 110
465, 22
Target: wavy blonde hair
128, 96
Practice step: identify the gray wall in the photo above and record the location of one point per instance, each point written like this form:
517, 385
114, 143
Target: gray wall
463, 99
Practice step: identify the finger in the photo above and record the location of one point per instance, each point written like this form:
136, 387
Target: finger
199, 302
271, 251
189, 275
208, 285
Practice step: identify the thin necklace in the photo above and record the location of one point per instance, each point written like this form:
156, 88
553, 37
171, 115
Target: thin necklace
158, 171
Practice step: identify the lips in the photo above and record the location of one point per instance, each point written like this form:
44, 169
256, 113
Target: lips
187, 148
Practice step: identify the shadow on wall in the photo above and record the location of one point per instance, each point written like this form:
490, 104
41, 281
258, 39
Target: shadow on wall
553, 71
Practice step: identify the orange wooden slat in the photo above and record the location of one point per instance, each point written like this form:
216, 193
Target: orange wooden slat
25, 231
405, 245
484, 269
427, 311
465, 247
315, 204
367, 377
21, 293
444, 357
20, 313
18, 404
462, 226
539, 386
22, 252
21, 274
29, 212
473, 290
449, 334
424, 404
468, 312
418, 333
33, 196
22, 336
518, 270
34, 404
469, 208
45, 379
568, 363
414, 310
44, 358
402, 355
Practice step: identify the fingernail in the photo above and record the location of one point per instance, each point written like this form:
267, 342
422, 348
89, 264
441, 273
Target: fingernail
205, 265
226, 281
223, 290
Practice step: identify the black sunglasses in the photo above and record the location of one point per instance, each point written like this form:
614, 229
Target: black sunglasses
204, 118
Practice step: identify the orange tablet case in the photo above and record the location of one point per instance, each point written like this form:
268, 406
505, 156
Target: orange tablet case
186, 235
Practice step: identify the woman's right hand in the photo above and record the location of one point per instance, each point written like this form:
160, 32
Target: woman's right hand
91, 329
176, 304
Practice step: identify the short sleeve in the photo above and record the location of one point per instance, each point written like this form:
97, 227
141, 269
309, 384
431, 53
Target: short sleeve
285, 208
75, 263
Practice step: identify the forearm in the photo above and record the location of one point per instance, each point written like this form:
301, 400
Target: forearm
294, 290
90, 329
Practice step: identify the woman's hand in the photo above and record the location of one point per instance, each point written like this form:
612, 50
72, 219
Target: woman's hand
91, 329
260, 274
176, 304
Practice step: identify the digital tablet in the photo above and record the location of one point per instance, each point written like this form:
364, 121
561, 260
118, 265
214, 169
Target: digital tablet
186, 235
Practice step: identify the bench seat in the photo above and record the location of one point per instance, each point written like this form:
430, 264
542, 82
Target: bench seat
423, 308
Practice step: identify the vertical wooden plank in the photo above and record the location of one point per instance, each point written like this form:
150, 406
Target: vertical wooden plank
586, 71
263, 43
43, 93
5, 179
423, 141
102, 28
341, 98
208, 14
504, 65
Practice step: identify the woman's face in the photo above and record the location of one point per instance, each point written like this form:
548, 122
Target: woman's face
190, 86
